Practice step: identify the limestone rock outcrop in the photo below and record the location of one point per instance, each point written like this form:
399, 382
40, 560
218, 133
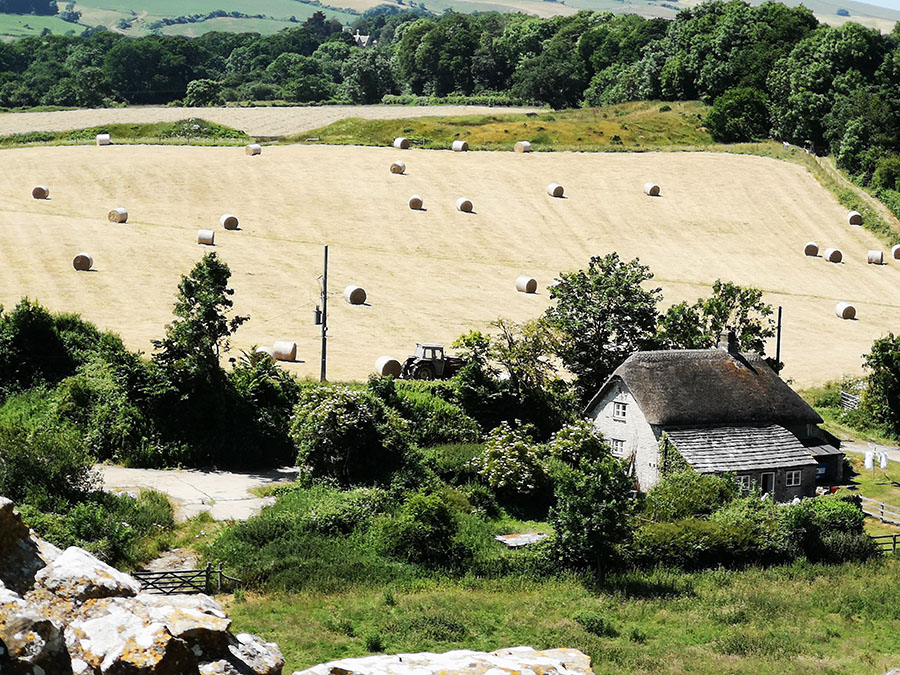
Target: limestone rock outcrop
511, 661
67, 612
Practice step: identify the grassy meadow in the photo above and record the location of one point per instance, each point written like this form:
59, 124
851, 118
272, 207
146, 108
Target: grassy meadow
801, 619
629, 126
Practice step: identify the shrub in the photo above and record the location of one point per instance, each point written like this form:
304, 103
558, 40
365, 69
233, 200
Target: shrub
424, 530
510, 463
689, 543
887, 173
686, 494
453, 462
346, 435
433, 418
577, 441
109, 526
590, 518
96, 401
831, 529
31, 349
47, 468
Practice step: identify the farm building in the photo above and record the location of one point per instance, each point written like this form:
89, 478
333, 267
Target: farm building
720, 411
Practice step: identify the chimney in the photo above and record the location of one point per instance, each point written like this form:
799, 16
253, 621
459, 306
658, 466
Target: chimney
728, 341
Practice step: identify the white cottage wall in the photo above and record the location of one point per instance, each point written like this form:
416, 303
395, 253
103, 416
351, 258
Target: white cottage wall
637, 435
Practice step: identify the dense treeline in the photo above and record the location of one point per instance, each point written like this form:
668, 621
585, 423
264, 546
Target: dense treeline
39, 7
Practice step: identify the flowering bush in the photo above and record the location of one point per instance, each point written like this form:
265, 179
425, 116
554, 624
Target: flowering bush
510, 462
346, 435
577, 440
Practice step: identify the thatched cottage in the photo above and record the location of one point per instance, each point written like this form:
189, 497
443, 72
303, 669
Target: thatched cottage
719, 411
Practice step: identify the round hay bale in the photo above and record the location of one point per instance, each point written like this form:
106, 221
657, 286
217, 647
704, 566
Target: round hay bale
268, 351
206, 237
833, 255
118, 215
40, 192
651, 189
811, 249
875, 258
854, 218
401, 143
522, 146
460, 146
285, 350
83, 262
895, 252
229, 222
464, 205
103, 139
526, 284
355, 295
398, 167
415, 203
254, 149
555, 190
385, 365
845, 310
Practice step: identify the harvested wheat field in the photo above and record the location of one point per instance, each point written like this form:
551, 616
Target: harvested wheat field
263, 121
432, 274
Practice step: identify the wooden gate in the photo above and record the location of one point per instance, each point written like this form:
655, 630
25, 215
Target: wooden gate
170, 582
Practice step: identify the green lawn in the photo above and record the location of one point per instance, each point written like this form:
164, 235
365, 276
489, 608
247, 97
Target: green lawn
800, 619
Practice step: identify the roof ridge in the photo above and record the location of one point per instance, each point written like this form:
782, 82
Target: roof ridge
690, 355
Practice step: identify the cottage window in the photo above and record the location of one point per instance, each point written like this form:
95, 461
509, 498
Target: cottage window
793, 478
743, 483
619, 410
618, 447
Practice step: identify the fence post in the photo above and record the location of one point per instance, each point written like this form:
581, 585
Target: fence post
882, 511
219, 581
894, 540
208, 574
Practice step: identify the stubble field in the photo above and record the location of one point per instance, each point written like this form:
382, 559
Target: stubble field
430, 275
262, 121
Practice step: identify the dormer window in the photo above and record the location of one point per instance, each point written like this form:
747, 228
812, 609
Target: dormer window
620, 411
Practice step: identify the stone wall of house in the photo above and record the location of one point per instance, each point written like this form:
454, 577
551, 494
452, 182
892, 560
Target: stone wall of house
638, 436
783, 493
68, 613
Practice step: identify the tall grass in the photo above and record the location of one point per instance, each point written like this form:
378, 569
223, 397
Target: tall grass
800, 618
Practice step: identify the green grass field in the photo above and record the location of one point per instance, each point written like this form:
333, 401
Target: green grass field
28, 25
630, 126
799, 619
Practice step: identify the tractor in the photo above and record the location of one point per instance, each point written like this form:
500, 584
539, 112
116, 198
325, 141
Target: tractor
430, 363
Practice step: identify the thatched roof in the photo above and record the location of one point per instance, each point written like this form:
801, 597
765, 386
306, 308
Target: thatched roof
740, 448
693, 387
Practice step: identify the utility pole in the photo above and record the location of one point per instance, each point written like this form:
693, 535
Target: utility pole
324, 315
778, 339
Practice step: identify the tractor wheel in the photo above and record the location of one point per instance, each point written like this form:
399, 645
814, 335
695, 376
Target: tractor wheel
424, 372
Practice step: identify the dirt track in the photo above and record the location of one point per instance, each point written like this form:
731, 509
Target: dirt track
281, 121
434, 274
